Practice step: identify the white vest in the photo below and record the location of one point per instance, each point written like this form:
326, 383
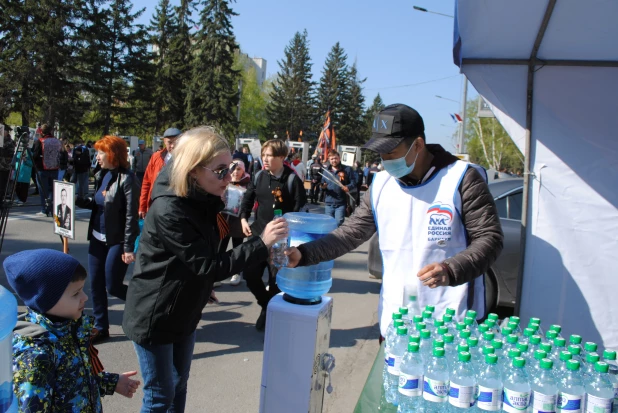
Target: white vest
417, 226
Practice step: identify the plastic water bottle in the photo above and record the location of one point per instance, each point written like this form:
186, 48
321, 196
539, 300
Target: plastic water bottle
505, 332
571, 390
493, 326
279, 258
550, 336
428, 320
488, 338
8, 319
475, 350
537, 322
544, 389
556, 328
390, 330
437, 324
516, 324
528, 333
498, 346
534, 368
523, 347
516, 395
449, 323
560, 368
559, 347
489, 395
471, 325
442, 331
591, 360
391, 333
426, 345
483, 328
609, 357
546, 347
450, 348
576, 351
511, 342
411, 373
430, 308
462, 388
508, 367
395, 354
405, 316
464, 335
535, 342
599, 390
413, 307
589, 347
436, 382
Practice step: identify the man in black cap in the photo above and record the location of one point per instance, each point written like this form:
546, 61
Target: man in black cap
436, 220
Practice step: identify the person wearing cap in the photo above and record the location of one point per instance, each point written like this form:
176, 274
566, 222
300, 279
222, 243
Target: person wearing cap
157, 161
55, 367
436, 220
141, 158
7, 150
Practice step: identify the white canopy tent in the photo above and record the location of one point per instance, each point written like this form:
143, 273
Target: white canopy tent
549, 69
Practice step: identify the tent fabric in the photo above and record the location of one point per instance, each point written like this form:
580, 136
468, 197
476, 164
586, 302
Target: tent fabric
570, 274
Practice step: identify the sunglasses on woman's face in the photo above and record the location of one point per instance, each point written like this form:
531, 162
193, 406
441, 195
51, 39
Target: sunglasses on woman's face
222, 173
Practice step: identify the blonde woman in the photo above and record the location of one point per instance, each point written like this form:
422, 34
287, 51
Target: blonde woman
178, 262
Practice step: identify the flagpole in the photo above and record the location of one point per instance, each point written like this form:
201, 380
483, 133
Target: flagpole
462, 126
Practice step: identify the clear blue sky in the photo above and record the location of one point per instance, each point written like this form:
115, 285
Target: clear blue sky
393, 44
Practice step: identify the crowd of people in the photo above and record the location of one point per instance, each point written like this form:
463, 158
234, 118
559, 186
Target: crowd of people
437, 223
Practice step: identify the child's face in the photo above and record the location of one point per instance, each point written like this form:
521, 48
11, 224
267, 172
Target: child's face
71, 304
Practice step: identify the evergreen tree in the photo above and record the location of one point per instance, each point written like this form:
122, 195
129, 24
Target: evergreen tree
334, 85
292, 101
371, 112
162, 29
212, 96
253, 98
352, 130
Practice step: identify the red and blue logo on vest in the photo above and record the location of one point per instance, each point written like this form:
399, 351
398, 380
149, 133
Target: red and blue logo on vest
440, 219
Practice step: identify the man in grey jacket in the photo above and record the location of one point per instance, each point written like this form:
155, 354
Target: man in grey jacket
437, 223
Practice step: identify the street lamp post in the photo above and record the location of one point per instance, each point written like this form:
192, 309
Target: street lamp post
432, 12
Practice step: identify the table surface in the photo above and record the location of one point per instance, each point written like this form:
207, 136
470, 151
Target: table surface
372, 398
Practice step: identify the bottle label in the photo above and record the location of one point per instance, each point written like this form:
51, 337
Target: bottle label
393, 364
461, 396
489, 399
596, 404
543, 403
569, 403
410, 385
435, 390
515, 401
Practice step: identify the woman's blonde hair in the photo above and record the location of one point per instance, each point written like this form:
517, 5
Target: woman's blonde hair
197, 146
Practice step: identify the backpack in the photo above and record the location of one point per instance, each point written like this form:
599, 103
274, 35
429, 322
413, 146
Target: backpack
51, 153
290, 182
81, 158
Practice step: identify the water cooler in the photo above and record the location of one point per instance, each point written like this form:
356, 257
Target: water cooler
296, 367
8, 319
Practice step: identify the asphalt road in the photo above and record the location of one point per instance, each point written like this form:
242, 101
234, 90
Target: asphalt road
227, 361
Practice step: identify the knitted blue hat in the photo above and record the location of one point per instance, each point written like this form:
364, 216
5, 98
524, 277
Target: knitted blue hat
39, 277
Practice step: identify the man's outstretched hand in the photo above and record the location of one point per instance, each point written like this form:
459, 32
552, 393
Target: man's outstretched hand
433, 275
294, 256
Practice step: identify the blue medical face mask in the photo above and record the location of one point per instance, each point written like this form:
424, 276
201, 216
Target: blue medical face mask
399, 168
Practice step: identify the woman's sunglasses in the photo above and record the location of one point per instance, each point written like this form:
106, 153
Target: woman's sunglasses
222, 173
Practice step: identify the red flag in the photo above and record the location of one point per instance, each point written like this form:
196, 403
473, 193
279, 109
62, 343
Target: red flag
458, 117
326, 141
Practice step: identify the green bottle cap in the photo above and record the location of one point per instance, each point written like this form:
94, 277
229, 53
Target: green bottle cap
427, 314
397, 316
559, 342
447, 318
403, 310
547, 364
461, 326
473, 341
609, 355
464, 334
506, 331
464, 357
413, 347
417, 319
514, 353
471, 313
488, 350
575, 349
425, 334
565, 356
535, 339
534, 328
490, 323
488, 336
512, 339
397, 323
590, 347
546, 347
601, 367
539, 355
519, 362
420, 326
535, 320
528, 332
556, 328
575, 339
573, 365
463, 347
438, 352
512, 325
431, 308
492, 316
497, 343
442, 330
491, 359
278, 213
451, 312
551, 335
438, 323
469, 321
438, 342
448, 338
483, 328
415, 339
514, 319
534, 325
523, 347
592, 358
412, 297
402, 331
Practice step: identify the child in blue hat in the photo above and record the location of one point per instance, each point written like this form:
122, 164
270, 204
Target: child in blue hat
55, 367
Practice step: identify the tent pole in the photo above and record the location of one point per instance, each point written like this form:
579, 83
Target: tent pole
532, 63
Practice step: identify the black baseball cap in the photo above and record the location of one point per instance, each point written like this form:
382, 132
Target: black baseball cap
392, 125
